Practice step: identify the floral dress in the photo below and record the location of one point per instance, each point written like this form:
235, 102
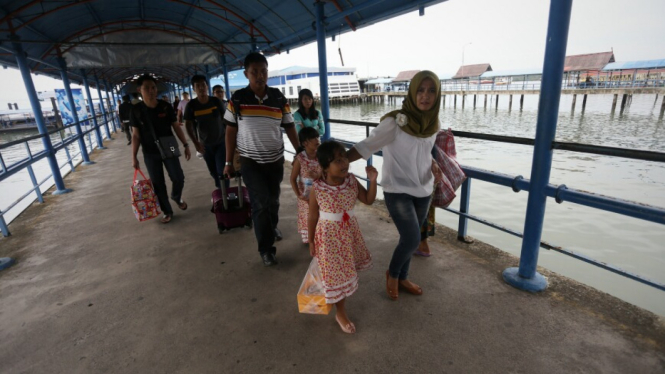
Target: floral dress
307, 169
340, 247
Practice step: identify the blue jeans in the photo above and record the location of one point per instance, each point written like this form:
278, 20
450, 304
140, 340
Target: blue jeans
154, 162
215, 157
408, 213
263, 184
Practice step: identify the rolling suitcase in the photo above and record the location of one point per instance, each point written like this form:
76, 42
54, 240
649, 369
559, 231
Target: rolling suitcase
231, 206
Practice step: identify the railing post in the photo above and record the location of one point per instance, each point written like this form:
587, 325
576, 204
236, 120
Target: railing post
227, 91
22, 62
3, 225
91, 107
323, 66
101, 105
464, 208
110, 100
526, 277
72, 104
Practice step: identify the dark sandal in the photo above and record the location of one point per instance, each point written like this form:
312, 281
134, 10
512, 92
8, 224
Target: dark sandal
182, 205
392, 294
167, 218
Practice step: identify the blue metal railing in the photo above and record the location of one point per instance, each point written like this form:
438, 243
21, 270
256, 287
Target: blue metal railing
7, 170
560, 193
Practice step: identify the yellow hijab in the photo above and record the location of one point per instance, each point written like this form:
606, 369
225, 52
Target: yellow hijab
422, 124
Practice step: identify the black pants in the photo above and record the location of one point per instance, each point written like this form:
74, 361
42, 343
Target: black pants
127, 128
263, 182
154, 162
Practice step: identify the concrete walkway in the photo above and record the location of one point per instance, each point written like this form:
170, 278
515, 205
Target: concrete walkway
95, 291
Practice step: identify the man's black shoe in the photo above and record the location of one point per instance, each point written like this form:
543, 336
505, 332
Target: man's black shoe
269, 259
278, 234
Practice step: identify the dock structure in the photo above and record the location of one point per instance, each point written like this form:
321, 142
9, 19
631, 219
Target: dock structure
110, 294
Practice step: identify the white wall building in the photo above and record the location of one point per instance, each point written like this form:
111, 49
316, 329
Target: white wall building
342, 82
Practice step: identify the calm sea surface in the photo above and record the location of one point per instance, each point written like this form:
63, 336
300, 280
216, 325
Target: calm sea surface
631, 244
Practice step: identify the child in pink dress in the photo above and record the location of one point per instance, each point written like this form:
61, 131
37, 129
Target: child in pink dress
338, 243
306, 170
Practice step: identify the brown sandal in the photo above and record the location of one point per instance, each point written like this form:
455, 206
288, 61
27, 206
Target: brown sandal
414, 289
392, 293
182, 205
167, 218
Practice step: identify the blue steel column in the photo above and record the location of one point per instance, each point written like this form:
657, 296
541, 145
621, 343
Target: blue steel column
323, 67
525, 277
226, 78
72, 104
91, 107
111, 104
101, 105
22, 62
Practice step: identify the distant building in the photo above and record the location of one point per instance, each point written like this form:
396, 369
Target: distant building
402, 80
472, 71
342, 81
378, 84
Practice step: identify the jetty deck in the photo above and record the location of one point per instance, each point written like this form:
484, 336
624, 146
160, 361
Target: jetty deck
94, 291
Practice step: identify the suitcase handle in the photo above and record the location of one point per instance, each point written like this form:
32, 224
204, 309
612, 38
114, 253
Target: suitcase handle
225, 200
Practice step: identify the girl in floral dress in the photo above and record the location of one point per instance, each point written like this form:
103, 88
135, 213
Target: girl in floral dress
337, 241
305, 168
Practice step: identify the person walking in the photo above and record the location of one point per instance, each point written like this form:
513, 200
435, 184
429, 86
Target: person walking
254, 119
124, 112
406, 137
153, 121
203, 121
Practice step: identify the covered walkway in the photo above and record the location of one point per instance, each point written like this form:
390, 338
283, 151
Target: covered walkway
95, 291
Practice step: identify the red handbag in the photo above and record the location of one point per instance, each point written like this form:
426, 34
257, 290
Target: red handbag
453, 175
144, 201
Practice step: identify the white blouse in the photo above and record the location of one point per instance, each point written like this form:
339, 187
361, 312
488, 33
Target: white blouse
407, 160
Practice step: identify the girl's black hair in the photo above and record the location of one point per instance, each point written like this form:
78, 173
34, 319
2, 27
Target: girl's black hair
326, 152
313, 113
304, 135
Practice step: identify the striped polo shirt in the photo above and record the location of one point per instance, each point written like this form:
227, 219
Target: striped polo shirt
259, 123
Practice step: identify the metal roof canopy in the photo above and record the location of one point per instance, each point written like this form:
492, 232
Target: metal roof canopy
174, 39
631, 65
512, 73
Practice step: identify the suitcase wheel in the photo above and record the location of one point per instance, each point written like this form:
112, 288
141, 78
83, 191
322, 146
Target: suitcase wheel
221, 228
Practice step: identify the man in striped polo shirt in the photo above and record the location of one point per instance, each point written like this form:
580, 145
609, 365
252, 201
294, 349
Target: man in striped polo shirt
254, 118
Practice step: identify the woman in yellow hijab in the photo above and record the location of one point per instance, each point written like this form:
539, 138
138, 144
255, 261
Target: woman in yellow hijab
406, 137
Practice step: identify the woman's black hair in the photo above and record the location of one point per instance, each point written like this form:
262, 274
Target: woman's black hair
304, 135
327, 151
313, 113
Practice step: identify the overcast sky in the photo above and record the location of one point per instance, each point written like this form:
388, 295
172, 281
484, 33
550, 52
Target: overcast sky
508, 34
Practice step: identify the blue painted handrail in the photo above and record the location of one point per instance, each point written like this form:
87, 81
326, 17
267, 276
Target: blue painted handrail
7, 170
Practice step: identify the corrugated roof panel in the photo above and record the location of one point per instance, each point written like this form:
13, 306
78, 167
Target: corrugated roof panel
469, 71
644, 64
589, 61
512, 73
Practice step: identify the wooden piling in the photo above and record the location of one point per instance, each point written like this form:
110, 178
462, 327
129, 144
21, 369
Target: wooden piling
662, 108
510, 102
623, 103
485, 101
455, 103
614, 102
474, 101
521, 102
655, 101
572, 108
463, 100
443, 102
496, 106
584, 103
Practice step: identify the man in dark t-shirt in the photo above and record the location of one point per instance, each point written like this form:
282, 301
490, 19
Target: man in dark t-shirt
124, 112
203, 119
160, 116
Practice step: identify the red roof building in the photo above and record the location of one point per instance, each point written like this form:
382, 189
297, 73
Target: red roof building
590, 61
472, 71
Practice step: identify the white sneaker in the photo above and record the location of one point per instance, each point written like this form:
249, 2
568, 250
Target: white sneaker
199, 155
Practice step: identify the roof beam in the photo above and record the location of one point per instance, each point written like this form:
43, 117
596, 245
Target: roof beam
188, 15
142, 10
94, 14
30, 28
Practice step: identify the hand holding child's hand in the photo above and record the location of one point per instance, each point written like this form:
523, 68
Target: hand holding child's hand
372, 173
